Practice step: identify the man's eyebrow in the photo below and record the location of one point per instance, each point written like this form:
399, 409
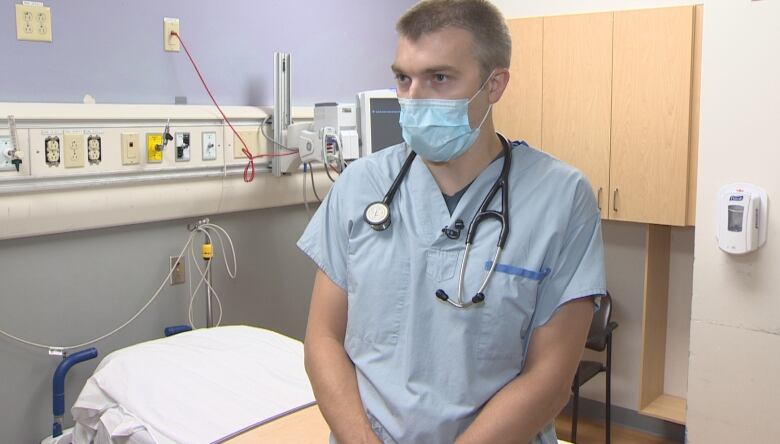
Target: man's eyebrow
440, 68
431, 70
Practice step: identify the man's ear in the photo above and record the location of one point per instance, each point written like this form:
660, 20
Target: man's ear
497, 84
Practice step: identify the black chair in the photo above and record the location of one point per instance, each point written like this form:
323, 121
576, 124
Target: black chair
599, 339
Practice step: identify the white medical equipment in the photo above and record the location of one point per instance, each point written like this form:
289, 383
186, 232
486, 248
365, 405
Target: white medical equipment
201, 386
378, 115
741, 218
356, 130
331, 136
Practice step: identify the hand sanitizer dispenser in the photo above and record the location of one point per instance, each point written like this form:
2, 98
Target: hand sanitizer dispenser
742, 218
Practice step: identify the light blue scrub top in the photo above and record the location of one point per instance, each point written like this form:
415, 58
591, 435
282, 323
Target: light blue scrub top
424, 368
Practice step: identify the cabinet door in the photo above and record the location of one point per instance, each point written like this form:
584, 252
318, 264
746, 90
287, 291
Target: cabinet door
651, 105
577, 77
518, 115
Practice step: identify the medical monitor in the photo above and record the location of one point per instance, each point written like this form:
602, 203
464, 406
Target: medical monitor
378, 114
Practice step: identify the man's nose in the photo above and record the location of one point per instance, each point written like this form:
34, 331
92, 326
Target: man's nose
416, 89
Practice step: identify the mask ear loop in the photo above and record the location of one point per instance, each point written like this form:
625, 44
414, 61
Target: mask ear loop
490, 76
490, 106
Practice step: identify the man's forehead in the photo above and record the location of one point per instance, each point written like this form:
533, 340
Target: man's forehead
446, 49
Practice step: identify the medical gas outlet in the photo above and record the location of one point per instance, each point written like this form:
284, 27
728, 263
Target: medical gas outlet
182, 147
10, 156
209, 146
154, 147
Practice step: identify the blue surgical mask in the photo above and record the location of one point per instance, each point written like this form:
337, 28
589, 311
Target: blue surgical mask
438, 129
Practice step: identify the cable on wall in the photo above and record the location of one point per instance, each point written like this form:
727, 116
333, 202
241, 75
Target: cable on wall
249, 170
208, 228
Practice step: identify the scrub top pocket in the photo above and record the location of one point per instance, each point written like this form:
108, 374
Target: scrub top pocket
377, 295
510, 300
441, 265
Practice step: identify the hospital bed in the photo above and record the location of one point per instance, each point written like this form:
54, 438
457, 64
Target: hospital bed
202, 386
231, 385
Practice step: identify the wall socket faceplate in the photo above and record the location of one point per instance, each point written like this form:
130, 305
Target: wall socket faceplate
33, 22
74, 150
178, 276
170, 42
5, 147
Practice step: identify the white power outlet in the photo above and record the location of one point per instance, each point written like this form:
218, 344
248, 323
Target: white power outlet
52, 144
94, 150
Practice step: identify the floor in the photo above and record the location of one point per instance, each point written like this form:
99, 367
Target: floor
589, 432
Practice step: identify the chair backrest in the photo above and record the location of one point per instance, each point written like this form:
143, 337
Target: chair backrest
597, 339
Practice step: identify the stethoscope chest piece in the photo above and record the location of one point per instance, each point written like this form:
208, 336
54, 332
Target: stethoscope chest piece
377, 215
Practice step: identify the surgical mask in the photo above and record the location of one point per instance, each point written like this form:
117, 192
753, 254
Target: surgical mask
438, 130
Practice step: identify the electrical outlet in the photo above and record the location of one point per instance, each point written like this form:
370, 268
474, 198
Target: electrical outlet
52, 144
178, 276
170, 42
94, 150
130, 149
33, 22
209, 146
154, 147
74, 150
182, 147
255, 142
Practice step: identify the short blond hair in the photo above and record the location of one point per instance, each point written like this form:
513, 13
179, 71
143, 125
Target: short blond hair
492, 41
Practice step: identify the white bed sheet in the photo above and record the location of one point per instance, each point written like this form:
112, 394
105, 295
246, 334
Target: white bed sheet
194, 387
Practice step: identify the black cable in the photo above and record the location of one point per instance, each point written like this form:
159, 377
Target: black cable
313, 188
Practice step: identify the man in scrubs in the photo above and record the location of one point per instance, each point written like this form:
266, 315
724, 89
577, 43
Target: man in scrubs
388, 360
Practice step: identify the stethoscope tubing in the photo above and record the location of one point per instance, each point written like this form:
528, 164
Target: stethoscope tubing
483, 213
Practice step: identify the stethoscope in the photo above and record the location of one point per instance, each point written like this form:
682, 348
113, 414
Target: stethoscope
377, 215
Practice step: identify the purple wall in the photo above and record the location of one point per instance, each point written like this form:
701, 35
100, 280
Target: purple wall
113, 50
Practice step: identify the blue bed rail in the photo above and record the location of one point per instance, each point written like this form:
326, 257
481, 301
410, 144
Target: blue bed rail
59, 385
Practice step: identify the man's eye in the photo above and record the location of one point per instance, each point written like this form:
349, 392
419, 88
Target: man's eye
400, 78
440, 78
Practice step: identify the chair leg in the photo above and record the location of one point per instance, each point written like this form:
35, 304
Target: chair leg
574, 407
609, 392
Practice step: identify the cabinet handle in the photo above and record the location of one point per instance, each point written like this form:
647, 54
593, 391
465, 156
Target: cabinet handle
598, 198
614, 200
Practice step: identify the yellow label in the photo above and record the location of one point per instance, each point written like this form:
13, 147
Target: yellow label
154, 147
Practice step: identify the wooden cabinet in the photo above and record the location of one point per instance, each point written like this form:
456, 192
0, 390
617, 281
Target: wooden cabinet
518, 115
576, 97
611, 94
651, 109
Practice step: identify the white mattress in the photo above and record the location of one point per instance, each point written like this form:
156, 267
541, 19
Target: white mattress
194, 387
